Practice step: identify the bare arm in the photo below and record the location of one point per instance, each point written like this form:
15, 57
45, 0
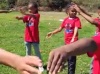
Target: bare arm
83, 10
7, 58
85, 15
75, 33
54, 32
24, 65
57, 30
29, 14
19, 17
59, 55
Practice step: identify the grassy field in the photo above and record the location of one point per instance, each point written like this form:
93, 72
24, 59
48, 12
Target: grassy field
11, 38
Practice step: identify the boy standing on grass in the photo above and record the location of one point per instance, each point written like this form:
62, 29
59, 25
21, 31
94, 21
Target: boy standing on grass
71, 24
31, 20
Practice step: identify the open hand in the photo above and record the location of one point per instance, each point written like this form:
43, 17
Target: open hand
27, 65
56, 61
49, 35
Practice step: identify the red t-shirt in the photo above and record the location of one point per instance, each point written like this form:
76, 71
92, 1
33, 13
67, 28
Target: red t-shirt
97, 20
31, 29
96, 55
98, 26
69, 24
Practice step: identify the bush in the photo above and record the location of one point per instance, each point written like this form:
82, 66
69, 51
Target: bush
12, 3
3, 4
91, 5
22, 2
58, 4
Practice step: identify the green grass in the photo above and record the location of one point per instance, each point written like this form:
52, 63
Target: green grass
12, 31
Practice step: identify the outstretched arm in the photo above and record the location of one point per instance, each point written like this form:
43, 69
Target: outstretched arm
24, 13
54, 32
19, 17
59, 55
83, 10
85, 15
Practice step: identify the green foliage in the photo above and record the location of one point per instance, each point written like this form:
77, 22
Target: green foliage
91, 5
22, 2
12, 3
3, 4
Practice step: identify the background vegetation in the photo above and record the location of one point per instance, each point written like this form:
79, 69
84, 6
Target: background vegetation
53, 4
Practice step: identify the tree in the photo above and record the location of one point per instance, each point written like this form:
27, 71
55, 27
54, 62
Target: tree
58, 4
22, 2
11, 3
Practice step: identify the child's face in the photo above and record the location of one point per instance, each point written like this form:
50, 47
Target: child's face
31, 8
72, 12
98, 12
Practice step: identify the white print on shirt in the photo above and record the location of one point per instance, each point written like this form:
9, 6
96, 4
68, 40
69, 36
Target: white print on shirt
31, 22
68, 28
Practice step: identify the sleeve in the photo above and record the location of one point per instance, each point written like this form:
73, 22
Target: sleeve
25, 19
78, 23
96, 20
63, 23
97, 40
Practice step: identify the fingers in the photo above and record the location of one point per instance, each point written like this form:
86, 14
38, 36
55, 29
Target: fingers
60, 68
55, 63
31, 61
49, 35
51, 56
25, 72
31, 70
58, 65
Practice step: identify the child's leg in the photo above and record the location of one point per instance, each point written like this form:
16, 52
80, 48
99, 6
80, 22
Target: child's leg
91, 66
28, 48
71, 64
36, 48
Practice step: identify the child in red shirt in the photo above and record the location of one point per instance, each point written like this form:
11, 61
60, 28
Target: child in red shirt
96, 22
71, 24
31, 36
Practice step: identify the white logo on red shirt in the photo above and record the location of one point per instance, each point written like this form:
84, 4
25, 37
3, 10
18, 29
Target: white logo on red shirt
31, 22
68, 28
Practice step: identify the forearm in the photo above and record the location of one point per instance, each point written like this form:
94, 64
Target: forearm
80, 47
85, 12
19, 18
29, 14
57, 31
88, 18
8, 58
75, 32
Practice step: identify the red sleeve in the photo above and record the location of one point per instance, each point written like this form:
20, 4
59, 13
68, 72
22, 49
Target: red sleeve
97, 40
97, 20
78, 23
25, 19
63, 23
